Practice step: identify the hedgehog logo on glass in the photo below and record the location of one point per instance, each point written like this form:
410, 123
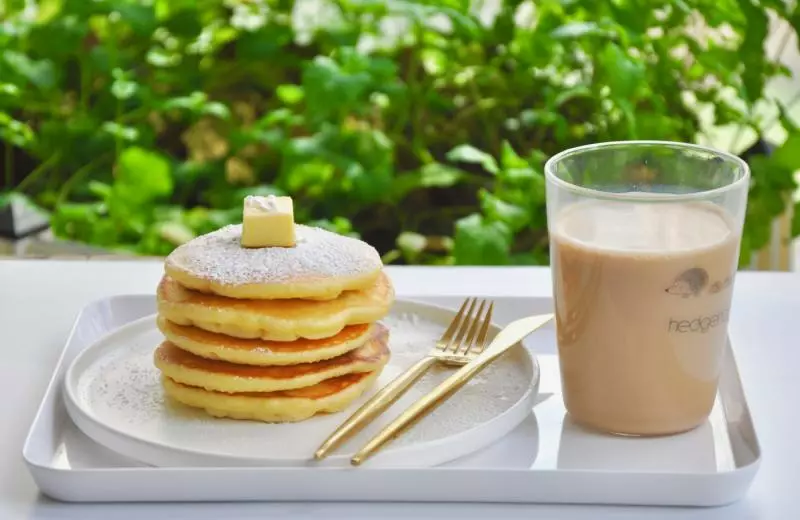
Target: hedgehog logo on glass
689, 283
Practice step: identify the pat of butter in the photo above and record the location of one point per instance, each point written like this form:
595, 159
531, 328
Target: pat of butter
268, 222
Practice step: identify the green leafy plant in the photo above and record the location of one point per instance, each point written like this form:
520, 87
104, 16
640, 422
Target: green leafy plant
421, 126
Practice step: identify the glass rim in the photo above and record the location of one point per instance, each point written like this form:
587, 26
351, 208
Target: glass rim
550, 175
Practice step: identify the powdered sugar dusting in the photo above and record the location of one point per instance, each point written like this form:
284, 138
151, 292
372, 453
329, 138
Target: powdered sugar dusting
121, 388
319, 254
411, 336
124, 386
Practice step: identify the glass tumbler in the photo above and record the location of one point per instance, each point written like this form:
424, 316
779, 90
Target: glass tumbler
644, 248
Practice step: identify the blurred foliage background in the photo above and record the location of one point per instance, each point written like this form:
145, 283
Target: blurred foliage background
420, 126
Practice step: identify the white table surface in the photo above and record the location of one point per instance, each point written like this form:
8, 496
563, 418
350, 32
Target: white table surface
40, 298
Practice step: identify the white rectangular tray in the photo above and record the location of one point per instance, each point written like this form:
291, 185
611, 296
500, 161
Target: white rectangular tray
546, 459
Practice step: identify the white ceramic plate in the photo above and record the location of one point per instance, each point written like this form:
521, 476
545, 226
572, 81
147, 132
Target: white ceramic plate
113, 394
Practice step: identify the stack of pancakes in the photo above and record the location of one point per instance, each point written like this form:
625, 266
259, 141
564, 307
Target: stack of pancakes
272, 334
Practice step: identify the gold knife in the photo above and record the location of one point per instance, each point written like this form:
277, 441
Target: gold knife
505, 339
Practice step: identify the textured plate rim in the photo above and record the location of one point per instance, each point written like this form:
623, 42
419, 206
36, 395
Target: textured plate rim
467, 441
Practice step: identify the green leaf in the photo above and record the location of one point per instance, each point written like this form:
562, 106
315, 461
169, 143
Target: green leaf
629, 113
751, 50
163, 58
469, 154
176, 233
420, 13
332, 90
310, 174
745, 252
522, 186
510, 159
216, 109
574, 30
278, 116
725, 113
464, 24
786, 119
788, 154
434, 61
780, 6
411, 244
340, 86
369, 184
197, 103
757, 226
796, 220
140, 17
99, 189
76, 221
193, 102
147, 173
290, 94
340, 225
439, 175
15, 132
263, 44
104, 232
544, 118
432, 175
48, 9
496, 209
9, 89
57, 39
794, 20
185, 21
478, 242
40, 73
123, 132
164, 9
623, 75
578, 91
123, 87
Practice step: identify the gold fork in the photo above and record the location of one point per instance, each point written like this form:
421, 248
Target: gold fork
463, 340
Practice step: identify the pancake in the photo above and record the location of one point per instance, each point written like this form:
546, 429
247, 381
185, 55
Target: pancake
221, 376
262, 352
331, 395
275, 320
321, 266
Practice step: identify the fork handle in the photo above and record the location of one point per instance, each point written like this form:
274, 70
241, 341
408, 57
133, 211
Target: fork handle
375, 406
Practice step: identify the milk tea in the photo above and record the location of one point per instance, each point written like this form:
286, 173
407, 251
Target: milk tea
642, 294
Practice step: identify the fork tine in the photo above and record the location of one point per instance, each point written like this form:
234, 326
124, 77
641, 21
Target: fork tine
481, 343
470, 340
448, 334
454, 345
